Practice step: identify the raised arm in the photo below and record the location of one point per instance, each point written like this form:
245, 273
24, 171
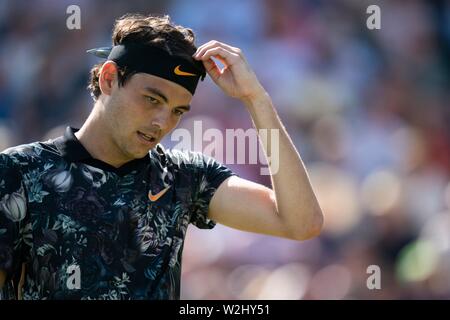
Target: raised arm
290, 209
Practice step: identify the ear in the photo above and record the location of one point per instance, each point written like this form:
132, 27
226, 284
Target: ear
107, 79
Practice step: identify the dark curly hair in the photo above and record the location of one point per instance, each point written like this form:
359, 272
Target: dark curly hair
158, 31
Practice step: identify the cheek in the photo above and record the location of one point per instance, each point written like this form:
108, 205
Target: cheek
173, 123
130, 110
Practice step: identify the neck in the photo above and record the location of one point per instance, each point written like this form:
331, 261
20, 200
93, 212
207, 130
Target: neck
96, 137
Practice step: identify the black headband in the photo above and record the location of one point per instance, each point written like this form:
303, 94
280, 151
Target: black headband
181, 69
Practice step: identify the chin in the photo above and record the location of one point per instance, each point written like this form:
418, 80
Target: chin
135, 152
141, 154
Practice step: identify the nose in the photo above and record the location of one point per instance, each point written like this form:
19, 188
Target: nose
160, 122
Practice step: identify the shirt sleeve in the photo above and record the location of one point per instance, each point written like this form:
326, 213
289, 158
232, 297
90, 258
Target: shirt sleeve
13, 207
209, 175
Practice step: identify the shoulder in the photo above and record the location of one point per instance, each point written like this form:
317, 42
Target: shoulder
13, 156
12, 162
196, 165
23, 151
176, 157
25, 154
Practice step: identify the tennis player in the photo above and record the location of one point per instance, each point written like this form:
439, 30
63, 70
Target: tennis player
102, 211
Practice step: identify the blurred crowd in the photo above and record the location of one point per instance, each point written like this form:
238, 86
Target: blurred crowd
368, 111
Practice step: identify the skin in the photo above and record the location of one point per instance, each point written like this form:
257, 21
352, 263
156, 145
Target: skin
289, 210
146, 103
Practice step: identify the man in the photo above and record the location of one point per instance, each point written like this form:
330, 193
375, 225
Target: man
102, 212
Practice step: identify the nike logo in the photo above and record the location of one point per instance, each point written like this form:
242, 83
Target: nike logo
182, 73
155, 197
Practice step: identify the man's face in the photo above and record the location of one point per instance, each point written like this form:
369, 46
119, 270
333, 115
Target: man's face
141, 112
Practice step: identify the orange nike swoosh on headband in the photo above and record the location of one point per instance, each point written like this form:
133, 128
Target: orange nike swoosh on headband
182, 73
155, 197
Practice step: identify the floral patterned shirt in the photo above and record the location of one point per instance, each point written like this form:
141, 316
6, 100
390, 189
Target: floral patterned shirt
74, 227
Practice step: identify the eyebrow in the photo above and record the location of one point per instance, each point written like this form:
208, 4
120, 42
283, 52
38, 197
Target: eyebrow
163, 96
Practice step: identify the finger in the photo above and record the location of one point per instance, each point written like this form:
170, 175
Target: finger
226, 57
214, 43
206, 43
231, 48
204, 47
212, 69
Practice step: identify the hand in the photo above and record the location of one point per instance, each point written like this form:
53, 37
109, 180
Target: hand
236, 79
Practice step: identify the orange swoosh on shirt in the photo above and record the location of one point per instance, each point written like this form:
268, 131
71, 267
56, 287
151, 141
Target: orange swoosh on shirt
155, 197
182, 73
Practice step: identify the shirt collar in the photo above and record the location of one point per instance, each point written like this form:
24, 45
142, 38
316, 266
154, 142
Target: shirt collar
70, 147
72, 150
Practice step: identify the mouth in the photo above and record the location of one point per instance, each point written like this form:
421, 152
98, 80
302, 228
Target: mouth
147, 138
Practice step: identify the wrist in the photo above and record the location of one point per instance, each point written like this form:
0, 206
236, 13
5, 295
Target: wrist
257, 100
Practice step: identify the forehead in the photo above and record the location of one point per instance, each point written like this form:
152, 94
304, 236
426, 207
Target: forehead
173, 91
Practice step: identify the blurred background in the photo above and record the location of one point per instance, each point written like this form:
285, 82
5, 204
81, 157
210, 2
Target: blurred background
367, 109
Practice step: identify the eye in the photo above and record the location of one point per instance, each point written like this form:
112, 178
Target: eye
178, 112
152, 100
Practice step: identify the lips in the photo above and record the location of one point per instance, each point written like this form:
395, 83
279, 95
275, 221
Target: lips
149, 138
